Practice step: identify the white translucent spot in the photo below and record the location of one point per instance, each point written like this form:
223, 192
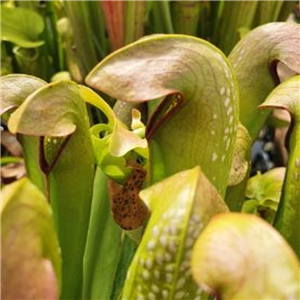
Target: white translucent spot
230, 119
168, 256
297, 163
212, 132
225, 137
227, 101
155, 230
165, 294
214, 157
154, 288
55, 141
196, 233
191, 229
169, 277
169, 268
188, 254
196, 218
189, 242
215, 116
165, 216
180, 212
163, 240
226, 130
296, 176
172, 246
188, 273
166, 229
179, 295
156, 274
222, 91
128, 275
151, 296
140, 297
180, 283
185, 265
48, 140
159, 258
223, 157
229, 110
139, 288
214, 178
226, 73
149, 263
228, 92
151, 245
173, 229
145, 274
227, 144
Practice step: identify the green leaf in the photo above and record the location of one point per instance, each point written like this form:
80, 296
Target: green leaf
103, 245
5, 160
266, 190
6, 61
135, 15
268, 11
253, 58
112, 141
15, 88
262, 186
286, 9
243, 31
185, 15
186, 71
113, 166
181, 206
21, 26
161, 17
286, 96
236, 14
240, 163
33, 61
240, 256
92, 98
250, 206
123, 141
240, 170
271, 204
30, 254
52, 113
79, 35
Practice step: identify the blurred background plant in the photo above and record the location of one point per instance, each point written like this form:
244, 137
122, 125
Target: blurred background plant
57, 40
42, 38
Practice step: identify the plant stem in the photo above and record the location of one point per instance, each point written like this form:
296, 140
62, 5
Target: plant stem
162, 17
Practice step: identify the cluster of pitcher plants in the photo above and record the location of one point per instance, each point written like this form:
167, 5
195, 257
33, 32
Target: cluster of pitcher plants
146, 200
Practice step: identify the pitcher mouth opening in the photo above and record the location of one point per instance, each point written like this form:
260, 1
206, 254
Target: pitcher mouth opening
164, 111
